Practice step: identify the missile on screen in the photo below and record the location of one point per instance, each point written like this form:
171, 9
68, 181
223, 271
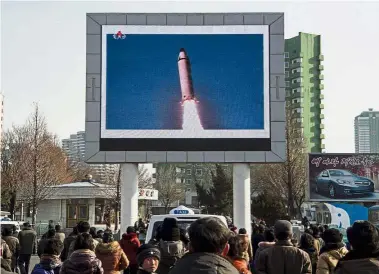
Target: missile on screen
185, 77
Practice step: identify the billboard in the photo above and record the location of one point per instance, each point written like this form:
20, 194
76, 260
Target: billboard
344, 177
147, 194
169, 88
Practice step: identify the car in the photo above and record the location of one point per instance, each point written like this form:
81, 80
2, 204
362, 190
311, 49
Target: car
342, 183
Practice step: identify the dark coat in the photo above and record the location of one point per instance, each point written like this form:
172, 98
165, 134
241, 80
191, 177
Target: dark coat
357, 262
203, 263
27, 238
82, 261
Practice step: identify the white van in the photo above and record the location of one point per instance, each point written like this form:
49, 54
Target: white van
184, 218
10, 224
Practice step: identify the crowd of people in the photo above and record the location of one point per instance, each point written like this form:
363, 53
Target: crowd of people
207, 247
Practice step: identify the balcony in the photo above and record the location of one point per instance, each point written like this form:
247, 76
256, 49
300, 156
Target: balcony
296, 75
296, 105
322, 96
322, 146
322, 126
321, 106
322, 116
297, 65
321, 57
321, 67
321, 77
298, 115
322, 136
297, 85
321, 87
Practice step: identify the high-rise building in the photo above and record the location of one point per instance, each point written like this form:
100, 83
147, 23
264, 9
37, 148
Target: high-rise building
75, 149
303, 69
1, 123
366, 127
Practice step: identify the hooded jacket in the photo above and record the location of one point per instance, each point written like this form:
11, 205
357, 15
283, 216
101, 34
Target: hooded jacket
112, 257
262, 246
203, 263
48, 264
357, 262
130, 244
328, 260
171, 252
82, 261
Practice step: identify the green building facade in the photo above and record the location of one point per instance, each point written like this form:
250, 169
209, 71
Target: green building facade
304, 86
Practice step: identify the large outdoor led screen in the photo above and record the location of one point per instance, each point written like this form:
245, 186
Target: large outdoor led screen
185, 88
344, 177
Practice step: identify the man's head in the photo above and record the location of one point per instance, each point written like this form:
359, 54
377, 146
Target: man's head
7, 232
148, 257
209, 235
27, 225
269, 235
53, 247
130, 229
84, 241
363, 236
283, 230
242, 231
332, 236
83, 227
58, 228
108, 237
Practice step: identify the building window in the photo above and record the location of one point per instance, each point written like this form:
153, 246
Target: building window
286, 55
199, 172
200, 181
188, 181
189, 172
286, 65
178, 180
178, 170
287, 84
287, 74
188, 190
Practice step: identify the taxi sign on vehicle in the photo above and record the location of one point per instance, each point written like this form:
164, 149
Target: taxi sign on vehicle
181, 210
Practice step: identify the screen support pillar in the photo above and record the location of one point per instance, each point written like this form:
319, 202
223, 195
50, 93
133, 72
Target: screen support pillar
241, 197
129, 195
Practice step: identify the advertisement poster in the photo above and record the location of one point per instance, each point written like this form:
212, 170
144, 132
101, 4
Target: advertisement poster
344, 177
187, 82
147, 194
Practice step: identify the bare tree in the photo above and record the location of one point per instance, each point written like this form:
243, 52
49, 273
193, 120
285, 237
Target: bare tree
78, 170
289, 180
169, 191
14, 164
145, 179
45, 162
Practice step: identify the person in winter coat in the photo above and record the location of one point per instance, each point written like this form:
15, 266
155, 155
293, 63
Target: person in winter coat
111, 255
27, 238
42, 243
5, 252
83, 260
5, 267
13, 244
248, 249
283, 257
307, 244
319, 242
59, 234
67, 243
364, 257
170, 246
148, 257
235, 254
208, 247
333, 251
83, 227
257, 237
130, 244
269, 241
49, 260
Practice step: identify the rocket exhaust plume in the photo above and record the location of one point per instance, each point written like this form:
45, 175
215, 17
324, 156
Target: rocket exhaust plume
191, 119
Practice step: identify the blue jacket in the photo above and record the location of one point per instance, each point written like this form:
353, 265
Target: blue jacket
47, 267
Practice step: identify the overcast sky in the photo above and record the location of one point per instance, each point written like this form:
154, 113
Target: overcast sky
43, 56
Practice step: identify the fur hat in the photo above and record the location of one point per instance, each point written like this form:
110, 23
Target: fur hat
170, 230
146, 251
332, 236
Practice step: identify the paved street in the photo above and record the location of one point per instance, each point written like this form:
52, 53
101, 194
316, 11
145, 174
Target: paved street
33, 261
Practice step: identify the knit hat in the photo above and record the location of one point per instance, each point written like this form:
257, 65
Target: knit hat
332, 236
146, 251
283, 226
170, 230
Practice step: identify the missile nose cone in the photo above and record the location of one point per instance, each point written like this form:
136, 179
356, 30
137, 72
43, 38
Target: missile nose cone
182, 54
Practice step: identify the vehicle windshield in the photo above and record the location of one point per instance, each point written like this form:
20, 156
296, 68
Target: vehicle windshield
9, 226
182, 225
335, 172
